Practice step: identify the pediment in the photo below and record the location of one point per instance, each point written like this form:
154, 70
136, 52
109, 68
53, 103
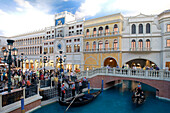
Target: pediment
141, 15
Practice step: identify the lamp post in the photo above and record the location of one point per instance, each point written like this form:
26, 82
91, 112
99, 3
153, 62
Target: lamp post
61, 60
22, 60
45, 60
9, 59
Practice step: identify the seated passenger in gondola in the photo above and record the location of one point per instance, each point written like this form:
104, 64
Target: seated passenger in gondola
139, 88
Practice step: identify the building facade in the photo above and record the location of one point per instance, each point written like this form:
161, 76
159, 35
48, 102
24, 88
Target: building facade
145, 40
112, 40
66, 36
102, 41
141, 41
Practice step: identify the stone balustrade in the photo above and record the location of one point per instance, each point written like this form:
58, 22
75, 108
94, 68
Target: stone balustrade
138, 73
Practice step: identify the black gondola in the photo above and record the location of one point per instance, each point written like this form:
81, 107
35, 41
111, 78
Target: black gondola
80, 100
138, 97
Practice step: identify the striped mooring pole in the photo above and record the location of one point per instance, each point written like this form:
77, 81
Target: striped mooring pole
88, 87
22, 105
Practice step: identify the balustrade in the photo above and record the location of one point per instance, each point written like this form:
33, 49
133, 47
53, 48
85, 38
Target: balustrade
138, 73
101, 50
102, 34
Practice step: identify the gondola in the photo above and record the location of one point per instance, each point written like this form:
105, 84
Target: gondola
139, 98
80, 100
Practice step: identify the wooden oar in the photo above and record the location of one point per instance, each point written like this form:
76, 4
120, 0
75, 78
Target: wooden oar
70, 104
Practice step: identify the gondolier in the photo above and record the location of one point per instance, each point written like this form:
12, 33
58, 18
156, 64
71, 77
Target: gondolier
73, 89
63, 91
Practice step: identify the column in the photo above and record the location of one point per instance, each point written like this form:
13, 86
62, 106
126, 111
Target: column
72, 67
29, 65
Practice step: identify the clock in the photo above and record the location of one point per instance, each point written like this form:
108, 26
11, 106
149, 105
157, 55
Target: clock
59, 46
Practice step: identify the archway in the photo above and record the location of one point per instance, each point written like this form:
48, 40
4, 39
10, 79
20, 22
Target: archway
27, 64
111, 62
140, 63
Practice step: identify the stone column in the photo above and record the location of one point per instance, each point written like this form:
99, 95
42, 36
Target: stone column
72, 67
29, 65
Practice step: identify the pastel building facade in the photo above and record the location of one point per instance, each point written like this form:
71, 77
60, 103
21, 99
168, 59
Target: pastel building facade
102, 41
144, 41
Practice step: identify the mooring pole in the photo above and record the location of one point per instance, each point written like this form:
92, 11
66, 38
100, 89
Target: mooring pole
102, 85
88, 87
22, 105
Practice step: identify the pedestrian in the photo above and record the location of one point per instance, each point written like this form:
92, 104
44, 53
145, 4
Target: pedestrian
73, 89
63, 91
59, 88
80, 86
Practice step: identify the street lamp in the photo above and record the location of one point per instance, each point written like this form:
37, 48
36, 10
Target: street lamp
9, 59
22, 60
45, 60
61, 60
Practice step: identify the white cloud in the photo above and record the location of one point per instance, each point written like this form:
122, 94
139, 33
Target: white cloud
127, 7
90, 8
25, 19
23, 3
19, 9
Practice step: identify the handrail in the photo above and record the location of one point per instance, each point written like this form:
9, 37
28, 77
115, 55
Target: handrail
133, 73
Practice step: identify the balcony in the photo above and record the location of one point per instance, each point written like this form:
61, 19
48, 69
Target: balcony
140, 49
102, 50
109, 34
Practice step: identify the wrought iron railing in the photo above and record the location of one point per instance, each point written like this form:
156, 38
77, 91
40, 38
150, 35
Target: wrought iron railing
12, 97
31, 91
45, 83
49, 93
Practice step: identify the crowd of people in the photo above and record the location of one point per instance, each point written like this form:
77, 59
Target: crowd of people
29, 78
125, 66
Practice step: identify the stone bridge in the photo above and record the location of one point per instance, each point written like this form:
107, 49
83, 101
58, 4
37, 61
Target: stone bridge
159, 79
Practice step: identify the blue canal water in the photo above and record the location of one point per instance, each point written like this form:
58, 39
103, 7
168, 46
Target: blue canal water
116, 100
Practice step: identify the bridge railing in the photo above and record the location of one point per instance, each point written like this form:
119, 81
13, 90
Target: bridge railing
135, 73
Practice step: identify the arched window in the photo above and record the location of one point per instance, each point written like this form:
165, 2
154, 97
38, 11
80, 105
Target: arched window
148, 28
133, 29
75, 48
100, 45
67, 47
78, 48
140, 28
52, 50
94, 46
115, 29
133, 45
35, 50
148, 44
140, 44
87, 46
87, 32
100, 31
106, 45
107, 30
94, 32
115, 44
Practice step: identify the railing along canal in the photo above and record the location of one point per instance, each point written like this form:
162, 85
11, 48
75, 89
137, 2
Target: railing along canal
16, 94
134, 73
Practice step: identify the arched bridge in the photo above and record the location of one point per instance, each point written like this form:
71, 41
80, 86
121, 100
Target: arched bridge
159, 79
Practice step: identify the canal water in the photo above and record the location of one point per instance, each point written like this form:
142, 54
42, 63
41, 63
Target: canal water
116, 100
